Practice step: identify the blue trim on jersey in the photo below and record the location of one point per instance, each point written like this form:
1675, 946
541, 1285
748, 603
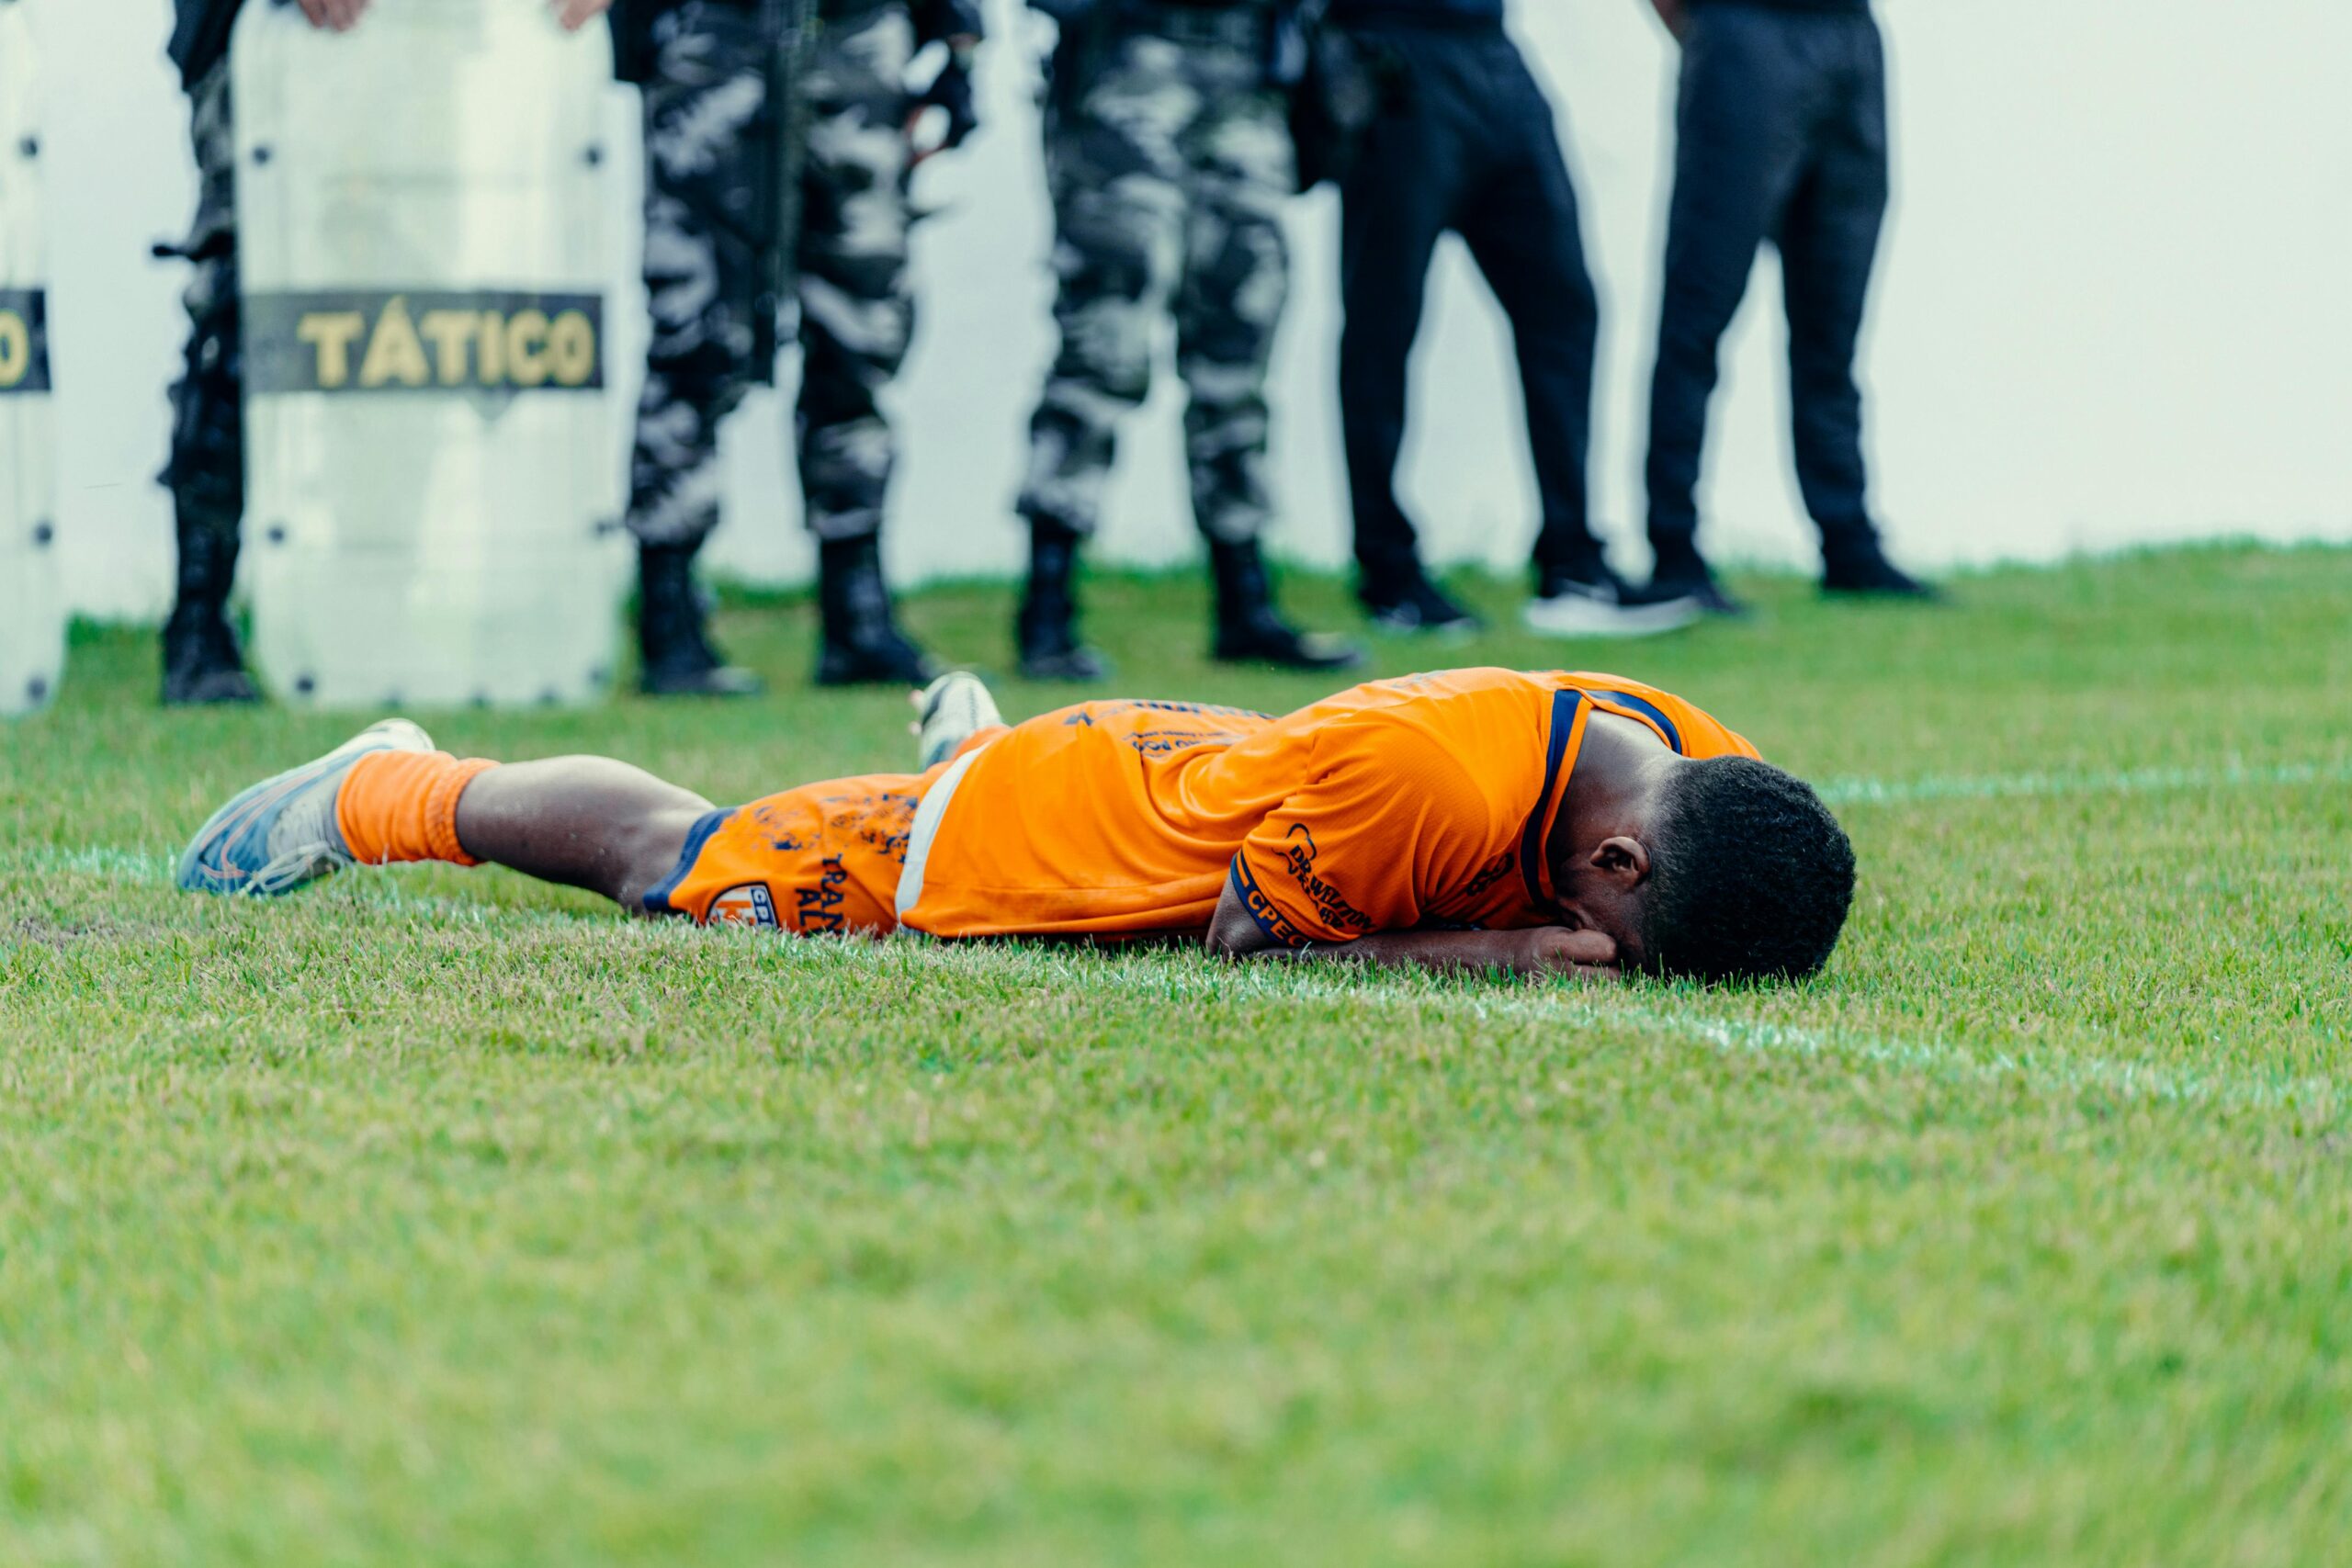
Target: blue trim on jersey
1254, 900
1648, 710
1530, 844
657, 899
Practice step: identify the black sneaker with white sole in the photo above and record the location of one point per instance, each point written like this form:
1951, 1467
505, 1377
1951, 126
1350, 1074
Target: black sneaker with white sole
1863, 571
1415, 605
1601, 603
1681, 572
1703, 589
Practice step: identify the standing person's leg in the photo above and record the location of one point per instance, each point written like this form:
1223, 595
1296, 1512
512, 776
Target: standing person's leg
207, 471
1828, 243
1523, 229
1741, 128
1118, 219
1395, 205
1240, 170
1521, 224
703, 99
857, 319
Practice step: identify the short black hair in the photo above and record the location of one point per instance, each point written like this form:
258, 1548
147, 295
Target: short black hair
1751, 875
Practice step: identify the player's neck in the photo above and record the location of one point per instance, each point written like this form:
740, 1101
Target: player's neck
1611, 790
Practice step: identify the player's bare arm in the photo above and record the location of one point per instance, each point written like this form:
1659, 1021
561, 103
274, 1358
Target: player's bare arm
1545, 952
333, 15
577, 13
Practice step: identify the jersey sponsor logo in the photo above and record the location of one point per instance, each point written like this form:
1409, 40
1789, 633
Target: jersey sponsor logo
1330, 907
1494, 871
1137, 704
1271, 920
1168, 742
24, 341
750, 905
884, 821
424, 340
820, 907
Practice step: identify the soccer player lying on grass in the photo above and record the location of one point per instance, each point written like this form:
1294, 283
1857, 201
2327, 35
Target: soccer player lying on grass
1475, 818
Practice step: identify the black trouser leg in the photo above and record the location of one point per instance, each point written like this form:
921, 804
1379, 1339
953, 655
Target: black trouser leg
1828, 243
702, 105
1395, 204
1522, 227
1741, 130
206, 473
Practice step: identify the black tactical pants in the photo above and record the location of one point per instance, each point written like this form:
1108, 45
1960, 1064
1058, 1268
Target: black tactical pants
207, 471
1783, 137
1471, 148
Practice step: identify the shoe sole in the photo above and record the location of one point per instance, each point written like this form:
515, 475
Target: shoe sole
960, 707
246, 806
1591, 618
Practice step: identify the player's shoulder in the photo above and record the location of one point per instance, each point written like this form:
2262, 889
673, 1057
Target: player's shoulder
1453, 742
1442, 697
1688, 728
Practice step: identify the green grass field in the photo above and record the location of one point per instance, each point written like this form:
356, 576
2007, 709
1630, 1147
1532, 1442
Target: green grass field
436, 1218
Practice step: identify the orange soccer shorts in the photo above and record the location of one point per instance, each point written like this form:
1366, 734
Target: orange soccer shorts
825, 857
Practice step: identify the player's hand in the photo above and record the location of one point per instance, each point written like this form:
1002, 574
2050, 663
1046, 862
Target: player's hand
335, 15
577, 13
1557, 953
950, 91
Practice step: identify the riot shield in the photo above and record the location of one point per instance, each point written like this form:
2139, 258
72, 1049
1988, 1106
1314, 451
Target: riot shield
422, 209
32, 604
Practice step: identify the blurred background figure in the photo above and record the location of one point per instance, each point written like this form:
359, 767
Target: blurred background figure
721, 139
1468, 143
1169, 158
1781, 131
206, 472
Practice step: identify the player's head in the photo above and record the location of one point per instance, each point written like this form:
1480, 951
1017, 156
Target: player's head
1720, 869
1750, 878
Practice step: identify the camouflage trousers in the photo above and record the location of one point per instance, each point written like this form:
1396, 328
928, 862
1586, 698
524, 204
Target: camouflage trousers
1169, 177
705, 95
206, 473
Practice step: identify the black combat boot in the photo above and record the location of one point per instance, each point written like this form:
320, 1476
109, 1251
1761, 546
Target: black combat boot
678, 660
859, 643
1047, 629
1247, 629
201, 664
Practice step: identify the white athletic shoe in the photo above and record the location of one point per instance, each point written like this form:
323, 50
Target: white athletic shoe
1606, 609
953, 709
280, 833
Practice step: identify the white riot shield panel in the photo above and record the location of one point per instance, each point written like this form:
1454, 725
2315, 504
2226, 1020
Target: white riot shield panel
423, 206
32, 604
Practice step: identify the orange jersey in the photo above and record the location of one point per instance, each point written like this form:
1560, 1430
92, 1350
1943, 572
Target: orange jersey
1420, 802
824, 858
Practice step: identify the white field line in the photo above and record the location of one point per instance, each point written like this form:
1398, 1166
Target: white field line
2052, 1072
2126, 781
2049, 1072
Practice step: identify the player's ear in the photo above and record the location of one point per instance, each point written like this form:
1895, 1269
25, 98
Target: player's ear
1622, 860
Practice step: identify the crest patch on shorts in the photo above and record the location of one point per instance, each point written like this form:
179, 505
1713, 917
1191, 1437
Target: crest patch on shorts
750, 905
